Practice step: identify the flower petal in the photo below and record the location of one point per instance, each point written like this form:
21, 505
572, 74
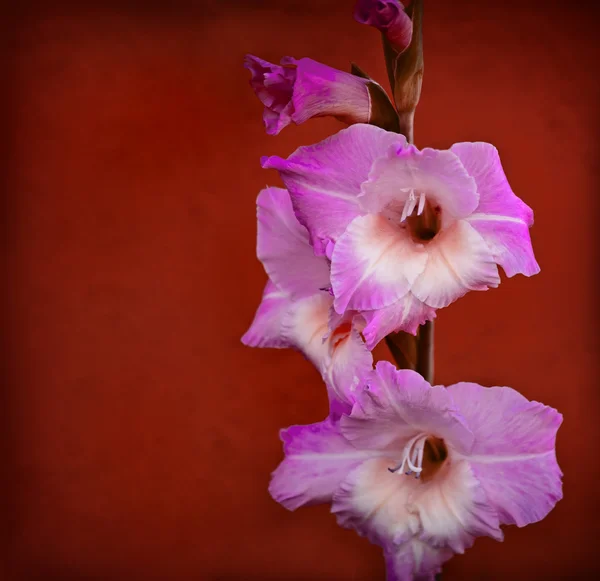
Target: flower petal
284, 249
374, 264
322, 90
501, 218
389, 17
405, 315
273, 85
482, 162
305, 326
266, 328
414, 560
317, 459
340, 355
513, 455
509, 241
373, 501
398, 404
438, 174
450, 510
350, 362
324, 180
459, 261
453, 508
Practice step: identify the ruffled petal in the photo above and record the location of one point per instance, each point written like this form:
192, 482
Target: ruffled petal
405, 315
317, 459
273, 85
398, 404
414, 561
266, 328
509, 242
450, 510
482, 162
374, 502
324, 180
453, 508
438, 174
513, 456
374, 264
459, 261
284, 249
501, 217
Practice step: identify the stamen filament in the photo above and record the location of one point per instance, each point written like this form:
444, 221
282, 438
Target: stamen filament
412, 456
409, 206
421, 204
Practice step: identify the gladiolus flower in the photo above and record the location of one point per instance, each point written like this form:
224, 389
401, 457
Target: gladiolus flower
296, 306
297, 90
407, 231
421, 470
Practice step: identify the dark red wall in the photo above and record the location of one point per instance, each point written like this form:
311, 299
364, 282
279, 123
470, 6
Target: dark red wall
137, 433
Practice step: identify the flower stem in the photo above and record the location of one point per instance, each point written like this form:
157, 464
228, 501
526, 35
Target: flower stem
425, 351
406, 74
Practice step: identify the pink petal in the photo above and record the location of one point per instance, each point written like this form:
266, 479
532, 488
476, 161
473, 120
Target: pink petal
374, 502
389, 17
317, 459
374, 264
350, 361
405, 314
501, 218
284, 249
273, 85
324, 180
305, 326
322, 90
513, 455
266, 327
509, 242
414, 560
459, 261
398, 404
482, 162
340, 355
453, 508
438, 174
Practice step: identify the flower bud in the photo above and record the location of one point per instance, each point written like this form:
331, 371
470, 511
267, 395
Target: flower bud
297, 90
389, 17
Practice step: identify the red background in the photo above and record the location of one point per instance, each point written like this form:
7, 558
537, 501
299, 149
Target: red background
137, 433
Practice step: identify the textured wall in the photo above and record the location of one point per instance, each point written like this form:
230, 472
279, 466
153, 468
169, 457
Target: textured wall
137, 433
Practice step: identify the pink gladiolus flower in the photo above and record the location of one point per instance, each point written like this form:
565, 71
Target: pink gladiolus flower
421, 470
300, 89
363, 195
296, 305
389, 17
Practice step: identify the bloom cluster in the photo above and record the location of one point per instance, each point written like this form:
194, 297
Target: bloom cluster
369, 237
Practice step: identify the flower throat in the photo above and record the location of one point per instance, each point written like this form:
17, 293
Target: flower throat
422, 218
422, 457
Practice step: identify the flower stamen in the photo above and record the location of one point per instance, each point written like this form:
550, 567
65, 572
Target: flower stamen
421, 204
409, 205
412, 457
422, 456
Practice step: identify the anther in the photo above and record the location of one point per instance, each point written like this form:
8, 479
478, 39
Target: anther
409, 206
